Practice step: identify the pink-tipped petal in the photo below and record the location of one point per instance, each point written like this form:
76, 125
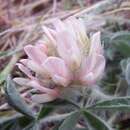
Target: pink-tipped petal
36, 85
32, 65
24, 61
41, 46
21, 81
92, 72
66, 42
67, 45
42, 98
60, 80
24, 70
57, 67
68, 49
35, 54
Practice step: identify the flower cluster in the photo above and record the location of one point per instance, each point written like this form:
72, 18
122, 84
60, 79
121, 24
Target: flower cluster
64, 57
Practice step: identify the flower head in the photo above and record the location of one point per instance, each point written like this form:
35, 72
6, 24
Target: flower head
65, 56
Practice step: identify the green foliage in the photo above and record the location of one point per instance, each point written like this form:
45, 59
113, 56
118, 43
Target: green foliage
95, 122
31, 122
14, 99
127, 73
121, 41
70, 122
117, 103
45, 111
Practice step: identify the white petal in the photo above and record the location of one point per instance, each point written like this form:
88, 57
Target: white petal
21, 81
96, 46
57, 67
34, 53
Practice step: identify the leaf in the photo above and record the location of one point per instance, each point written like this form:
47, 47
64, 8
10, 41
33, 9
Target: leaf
117, 103
14, 99
56, 103
44, 112
16, 123
15, 126
110, 53
32, 126
123, 64
10, 123
24, 121
70, 122
61, 103
121, 41
6, 126
76, 129
127, 74
123, 47
121, 35
6, 119
95, 122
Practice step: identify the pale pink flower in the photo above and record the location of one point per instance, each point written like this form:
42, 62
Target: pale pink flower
93, 65
65, 56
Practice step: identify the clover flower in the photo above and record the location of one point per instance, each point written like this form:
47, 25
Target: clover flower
64, 56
